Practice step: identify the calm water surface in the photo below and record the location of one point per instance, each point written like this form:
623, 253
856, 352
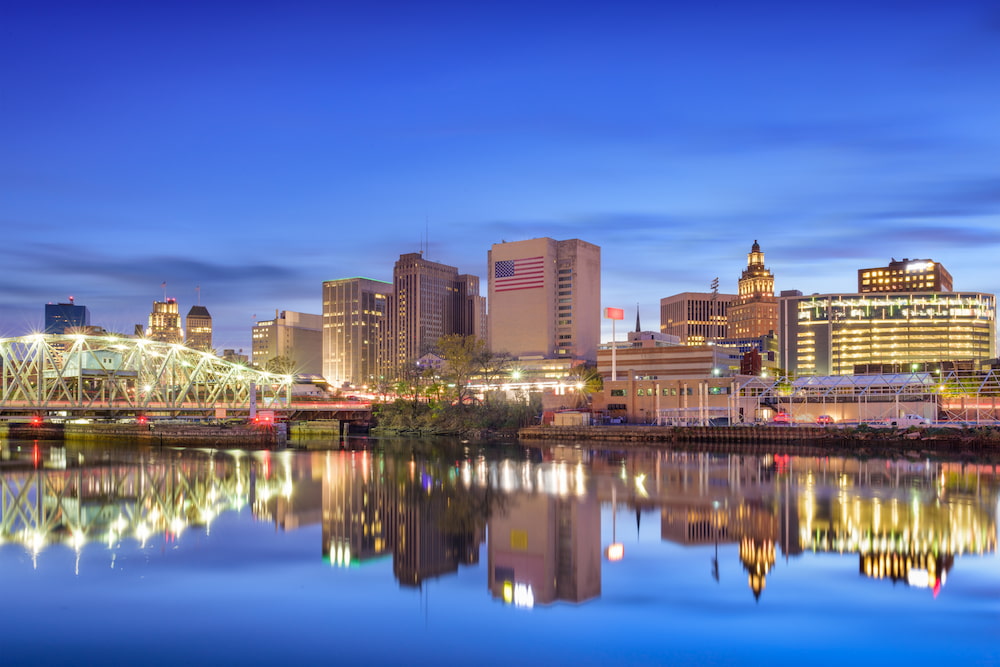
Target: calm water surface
389, 552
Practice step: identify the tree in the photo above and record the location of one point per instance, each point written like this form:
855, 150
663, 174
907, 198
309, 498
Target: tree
463, 356
280, 365
587, 381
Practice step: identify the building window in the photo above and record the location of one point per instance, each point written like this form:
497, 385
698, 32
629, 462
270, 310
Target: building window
617, 392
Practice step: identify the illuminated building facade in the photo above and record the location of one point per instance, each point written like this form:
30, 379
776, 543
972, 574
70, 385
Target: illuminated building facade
355, 320
165, 322
833, 334
754, 311
906, 275
430, 300
295, 339
198, 329
60, 317
695, 317
545, 299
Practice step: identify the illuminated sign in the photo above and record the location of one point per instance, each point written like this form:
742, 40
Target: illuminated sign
920, 266
614, 313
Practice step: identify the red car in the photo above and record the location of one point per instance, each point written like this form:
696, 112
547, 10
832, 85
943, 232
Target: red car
782, 418
825, 419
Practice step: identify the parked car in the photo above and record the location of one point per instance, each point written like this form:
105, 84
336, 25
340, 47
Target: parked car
825, 419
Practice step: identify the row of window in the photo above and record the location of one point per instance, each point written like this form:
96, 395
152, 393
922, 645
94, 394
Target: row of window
671, 391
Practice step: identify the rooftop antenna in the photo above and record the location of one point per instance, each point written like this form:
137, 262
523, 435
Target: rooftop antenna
197, 291
164, 286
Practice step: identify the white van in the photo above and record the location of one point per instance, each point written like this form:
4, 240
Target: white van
906, 421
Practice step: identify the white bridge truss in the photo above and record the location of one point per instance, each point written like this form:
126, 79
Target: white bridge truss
95, 375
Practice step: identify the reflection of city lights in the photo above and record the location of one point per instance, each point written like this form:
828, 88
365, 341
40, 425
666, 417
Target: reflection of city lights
520, 595
36, 541
78, 539
142, 533
615, 552
177, 525
640, 485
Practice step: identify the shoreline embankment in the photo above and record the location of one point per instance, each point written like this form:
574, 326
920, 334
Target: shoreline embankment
979, 443
155, 434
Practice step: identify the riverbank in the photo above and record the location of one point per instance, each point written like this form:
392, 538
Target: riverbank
981, 442
159, 433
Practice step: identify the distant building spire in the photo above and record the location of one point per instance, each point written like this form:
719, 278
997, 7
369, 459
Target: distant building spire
637, 327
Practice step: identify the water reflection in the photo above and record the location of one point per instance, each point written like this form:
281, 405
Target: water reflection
548, 517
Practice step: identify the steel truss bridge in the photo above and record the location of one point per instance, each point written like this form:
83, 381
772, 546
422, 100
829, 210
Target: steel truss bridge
77, 375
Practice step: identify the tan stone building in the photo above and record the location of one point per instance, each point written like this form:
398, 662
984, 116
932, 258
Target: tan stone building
295, 337
545, 298
198, 329
754, 311
165, 322
695, 317
430, 300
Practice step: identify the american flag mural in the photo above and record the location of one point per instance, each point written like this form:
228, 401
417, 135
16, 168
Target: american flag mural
515, 274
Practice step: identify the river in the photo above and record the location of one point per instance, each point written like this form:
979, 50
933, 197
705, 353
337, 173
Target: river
382, 552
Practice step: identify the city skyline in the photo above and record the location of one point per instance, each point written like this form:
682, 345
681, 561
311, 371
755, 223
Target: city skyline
259, 153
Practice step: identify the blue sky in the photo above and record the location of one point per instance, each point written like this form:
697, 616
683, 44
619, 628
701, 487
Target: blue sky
256, 149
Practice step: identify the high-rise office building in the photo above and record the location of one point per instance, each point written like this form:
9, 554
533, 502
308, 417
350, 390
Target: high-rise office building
198, 329
696, 317
836, 334
60, 317
165, 322
429, 300
905, 275
545, 299
292, 341
754, 311
355, 322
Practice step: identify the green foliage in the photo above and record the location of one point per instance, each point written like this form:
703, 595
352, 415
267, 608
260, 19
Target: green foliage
447, 417
280, 365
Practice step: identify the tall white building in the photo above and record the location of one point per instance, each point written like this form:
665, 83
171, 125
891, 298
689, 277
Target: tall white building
545, 299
